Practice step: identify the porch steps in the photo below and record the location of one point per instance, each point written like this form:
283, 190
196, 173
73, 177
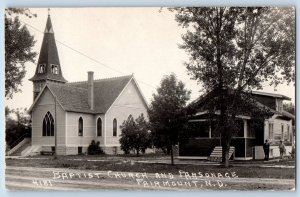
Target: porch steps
31, 151
216, 154
21, 148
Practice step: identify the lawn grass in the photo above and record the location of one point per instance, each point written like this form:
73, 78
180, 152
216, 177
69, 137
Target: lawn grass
126, 165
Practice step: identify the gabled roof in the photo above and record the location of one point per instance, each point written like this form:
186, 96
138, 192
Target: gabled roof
271, 95
106, 91
74, 96
70, 98
200, 101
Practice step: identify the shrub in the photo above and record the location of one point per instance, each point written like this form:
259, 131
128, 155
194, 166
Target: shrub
94, 148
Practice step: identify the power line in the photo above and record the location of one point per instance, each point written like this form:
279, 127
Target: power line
86, 56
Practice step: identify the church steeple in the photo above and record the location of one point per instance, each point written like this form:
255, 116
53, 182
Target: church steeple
48, 67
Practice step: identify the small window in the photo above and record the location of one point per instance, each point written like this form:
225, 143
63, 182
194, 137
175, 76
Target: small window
79, 150
53, 148
115, 127
99, 127
42, 68
54, 69
80, 127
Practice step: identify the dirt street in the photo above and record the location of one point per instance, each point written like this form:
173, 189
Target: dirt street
29, 178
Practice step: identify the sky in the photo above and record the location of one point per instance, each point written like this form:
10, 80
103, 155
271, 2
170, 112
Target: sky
114, 42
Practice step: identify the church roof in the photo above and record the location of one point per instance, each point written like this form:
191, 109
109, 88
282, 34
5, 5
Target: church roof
74, 96
48, 57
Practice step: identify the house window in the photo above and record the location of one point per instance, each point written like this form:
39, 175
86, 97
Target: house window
54, 69
80, 127
271, 130
99, 127
199, 129
79, 150
42, 68
48, 125
115, 127
53, 148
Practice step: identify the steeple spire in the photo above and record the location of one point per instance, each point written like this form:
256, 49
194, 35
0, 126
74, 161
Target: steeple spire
48, 68
49, 28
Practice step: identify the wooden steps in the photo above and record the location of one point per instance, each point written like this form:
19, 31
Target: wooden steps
216, 154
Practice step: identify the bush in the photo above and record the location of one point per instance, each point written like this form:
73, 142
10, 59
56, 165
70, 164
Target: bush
94, 148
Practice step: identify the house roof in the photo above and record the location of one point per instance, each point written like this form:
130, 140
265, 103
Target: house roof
74, 96
271, 95
288, 114
203, 98
106, 91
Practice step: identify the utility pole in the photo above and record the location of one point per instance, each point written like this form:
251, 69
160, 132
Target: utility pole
55, 129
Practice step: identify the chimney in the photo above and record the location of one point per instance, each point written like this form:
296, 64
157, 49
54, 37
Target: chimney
91, 89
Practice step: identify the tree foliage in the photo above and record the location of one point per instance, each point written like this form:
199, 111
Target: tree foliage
135, 135
17, 125
167, 113
234, 50
18, 50
289, 107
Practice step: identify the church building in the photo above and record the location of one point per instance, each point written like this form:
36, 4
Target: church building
80, 111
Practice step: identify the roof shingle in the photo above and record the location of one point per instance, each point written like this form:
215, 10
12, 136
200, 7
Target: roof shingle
74, 96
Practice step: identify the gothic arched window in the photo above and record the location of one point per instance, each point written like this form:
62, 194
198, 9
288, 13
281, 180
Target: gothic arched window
99, 127
115, 127
80, 127
48, 125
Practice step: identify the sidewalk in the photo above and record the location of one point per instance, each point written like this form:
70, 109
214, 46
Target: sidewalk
164, 160
202, 162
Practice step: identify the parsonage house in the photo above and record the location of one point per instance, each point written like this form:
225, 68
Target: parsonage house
83, 111
248, 143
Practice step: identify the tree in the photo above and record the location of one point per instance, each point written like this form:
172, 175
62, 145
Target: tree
289, 107
135, 135
18, 50
167, 113
18, 127
234, 50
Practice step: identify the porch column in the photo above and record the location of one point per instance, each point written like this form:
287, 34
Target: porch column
266, 130
245, 135
245, 128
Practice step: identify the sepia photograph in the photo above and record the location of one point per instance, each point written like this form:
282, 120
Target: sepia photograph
150, 99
